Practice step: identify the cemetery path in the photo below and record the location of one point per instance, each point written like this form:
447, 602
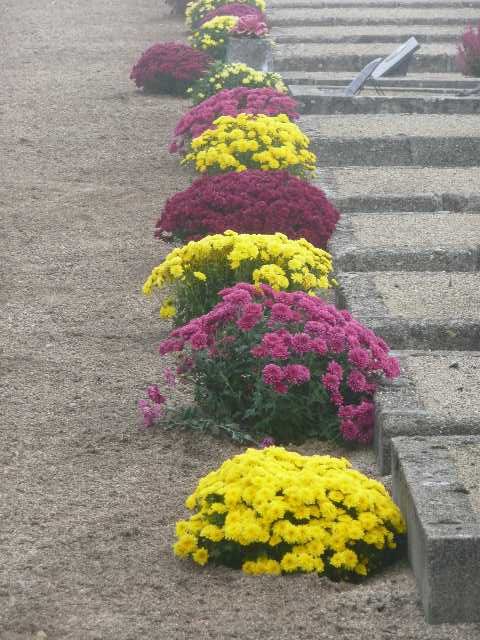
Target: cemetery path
88, 504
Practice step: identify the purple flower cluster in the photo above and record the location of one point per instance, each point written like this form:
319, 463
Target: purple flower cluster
231, 102
297, 340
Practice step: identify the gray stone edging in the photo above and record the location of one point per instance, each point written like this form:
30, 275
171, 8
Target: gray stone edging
443, 528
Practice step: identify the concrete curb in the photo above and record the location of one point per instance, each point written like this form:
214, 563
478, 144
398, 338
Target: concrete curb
348, 256
313, 102
459, 151
354, 63
428, 203
358, 293
371, 4
443, 528
400, 412
298, 20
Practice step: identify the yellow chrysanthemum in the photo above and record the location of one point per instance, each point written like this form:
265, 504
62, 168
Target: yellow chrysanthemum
338, 544
278, 144
224, 259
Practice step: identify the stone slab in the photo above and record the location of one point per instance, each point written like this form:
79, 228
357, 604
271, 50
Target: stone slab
452, 80
365, 34
389, 4
443, 525
407, 242
323, 101
397, 151
424, 140
391, 126
417, 310
372, 189
373, 15
437, 394
436, 57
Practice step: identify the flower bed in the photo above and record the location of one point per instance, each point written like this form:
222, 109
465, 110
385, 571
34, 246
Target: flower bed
286, 365
196, 12
252, 142
250, 202
170, 67
228, 76
199, 270
468, 57
211, 36
231, 102
274, 511
235, 9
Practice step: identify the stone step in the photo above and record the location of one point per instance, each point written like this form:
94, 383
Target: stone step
435, 57
441, 81
437, 394
407, 242
368, 4
365, 34
317, 100
436, 484
423, 140
402, 15
415, 309
372, 189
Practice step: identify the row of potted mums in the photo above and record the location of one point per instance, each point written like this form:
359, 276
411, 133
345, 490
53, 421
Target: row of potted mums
269, 360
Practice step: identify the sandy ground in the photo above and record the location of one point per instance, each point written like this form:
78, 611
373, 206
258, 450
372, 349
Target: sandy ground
87, 502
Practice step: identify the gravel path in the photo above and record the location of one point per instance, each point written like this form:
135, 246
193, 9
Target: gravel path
88, 503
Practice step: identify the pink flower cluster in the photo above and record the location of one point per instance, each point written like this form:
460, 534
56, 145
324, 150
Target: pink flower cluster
153, 410
299, 340
468, 56
234, 9
231, 102
169, 67
250, 25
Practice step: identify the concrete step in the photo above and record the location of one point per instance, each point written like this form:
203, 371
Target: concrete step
446, 82
435, 57
437, 394
368, 4
401, 15
359, 189
365, 34
436, 483
317, 100
423, 140
407, 242
415, 309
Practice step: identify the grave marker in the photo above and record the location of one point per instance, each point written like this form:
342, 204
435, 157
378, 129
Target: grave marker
398, 61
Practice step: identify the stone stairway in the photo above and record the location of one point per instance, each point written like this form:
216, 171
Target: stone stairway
402, 162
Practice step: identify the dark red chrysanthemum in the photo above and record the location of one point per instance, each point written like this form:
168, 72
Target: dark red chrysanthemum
252, 201
169, 67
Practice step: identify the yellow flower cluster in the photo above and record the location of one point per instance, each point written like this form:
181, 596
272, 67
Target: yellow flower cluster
252, 142
228, 76
223, 259
198, 9
211, 35
303, 513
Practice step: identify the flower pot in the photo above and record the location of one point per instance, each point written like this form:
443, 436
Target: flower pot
254, 52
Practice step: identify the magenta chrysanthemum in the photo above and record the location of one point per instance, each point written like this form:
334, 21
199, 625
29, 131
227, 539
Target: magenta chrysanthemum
278, 355
231, 102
